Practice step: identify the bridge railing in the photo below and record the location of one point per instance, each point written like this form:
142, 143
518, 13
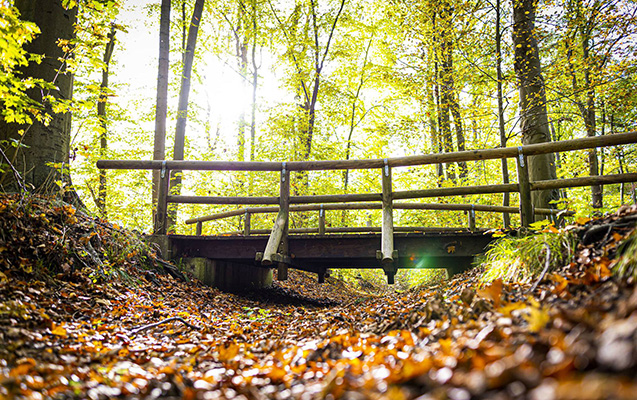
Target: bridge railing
276, 249
322, 229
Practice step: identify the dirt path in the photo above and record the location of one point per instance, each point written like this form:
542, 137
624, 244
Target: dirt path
573, 337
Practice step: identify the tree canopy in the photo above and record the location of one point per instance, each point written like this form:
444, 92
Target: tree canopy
320, 79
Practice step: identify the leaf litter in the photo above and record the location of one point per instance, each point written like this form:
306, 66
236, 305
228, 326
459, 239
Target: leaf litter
70, 320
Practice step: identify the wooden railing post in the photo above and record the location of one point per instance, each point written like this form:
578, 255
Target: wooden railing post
199, 228
284, 205
387, 253
161, 218
472, 218
321, 221
246, 223
526, 205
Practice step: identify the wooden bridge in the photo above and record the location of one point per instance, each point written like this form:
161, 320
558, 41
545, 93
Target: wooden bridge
388, 247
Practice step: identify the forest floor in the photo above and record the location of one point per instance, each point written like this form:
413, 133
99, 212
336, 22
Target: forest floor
81, 317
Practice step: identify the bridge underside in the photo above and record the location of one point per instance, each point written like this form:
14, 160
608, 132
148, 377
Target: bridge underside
454, 251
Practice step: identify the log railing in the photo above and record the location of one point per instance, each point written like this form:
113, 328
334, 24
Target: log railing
276, 249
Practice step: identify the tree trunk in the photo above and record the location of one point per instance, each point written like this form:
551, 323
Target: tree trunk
101, 115
161, 109
506, 219
443, 75
184, 93
533, 116
43, 157
588, 113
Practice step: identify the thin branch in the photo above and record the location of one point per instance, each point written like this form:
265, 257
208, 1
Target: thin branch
165, 321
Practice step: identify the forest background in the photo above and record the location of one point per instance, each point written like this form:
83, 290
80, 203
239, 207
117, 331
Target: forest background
315, 80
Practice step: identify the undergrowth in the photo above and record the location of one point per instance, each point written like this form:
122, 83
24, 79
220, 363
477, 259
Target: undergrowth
523, 258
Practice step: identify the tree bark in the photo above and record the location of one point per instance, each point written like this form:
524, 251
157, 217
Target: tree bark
101, 115
506, 219
161, 109
44, 155
182, 109
533, 115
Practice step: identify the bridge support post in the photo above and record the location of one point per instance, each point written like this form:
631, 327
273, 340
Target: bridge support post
160, 223
524, 187
472, 219
246, 224
199, 228
387, 229
322, 221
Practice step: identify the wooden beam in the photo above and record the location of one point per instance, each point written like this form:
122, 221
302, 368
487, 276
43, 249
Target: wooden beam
321, 221
471, 215
336, 198
246, 224
425, 159
583, 181
456, 191
221, 200
373, 206
387, 233
284, 197
161, 214
526, 205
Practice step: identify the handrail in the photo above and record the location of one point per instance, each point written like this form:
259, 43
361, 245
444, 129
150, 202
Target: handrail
371, 206
406, 161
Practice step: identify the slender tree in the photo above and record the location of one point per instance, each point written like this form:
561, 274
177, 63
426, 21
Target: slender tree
161, 108
101, 116
184, 93
533, 116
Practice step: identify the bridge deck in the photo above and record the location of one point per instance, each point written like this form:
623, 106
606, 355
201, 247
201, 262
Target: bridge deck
452, 250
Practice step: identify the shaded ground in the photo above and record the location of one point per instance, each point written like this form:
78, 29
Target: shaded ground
68, 329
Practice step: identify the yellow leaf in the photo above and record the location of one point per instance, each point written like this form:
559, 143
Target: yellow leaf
537, 318
58, 330
509, 308
582, 220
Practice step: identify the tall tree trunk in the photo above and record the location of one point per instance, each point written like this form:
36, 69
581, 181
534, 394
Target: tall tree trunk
435, 138
161, 108
44, 145
589, 118
255, 81
101, 115
182, 109
506, 219
533, 116
443, 77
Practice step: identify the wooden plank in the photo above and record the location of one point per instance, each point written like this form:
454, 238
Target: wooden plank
469, 155
387, 232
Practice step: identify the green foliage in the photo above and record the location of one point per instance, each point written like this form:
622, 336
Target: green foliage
522, 258
626, 265
375, 281
15, 105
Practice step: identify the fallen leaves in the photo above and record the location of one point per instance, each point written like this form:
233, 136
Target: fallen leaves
575, 336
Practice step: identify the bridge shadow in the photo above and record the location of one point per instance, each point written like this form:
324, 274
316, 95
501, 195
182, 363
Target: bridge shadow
286, 296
